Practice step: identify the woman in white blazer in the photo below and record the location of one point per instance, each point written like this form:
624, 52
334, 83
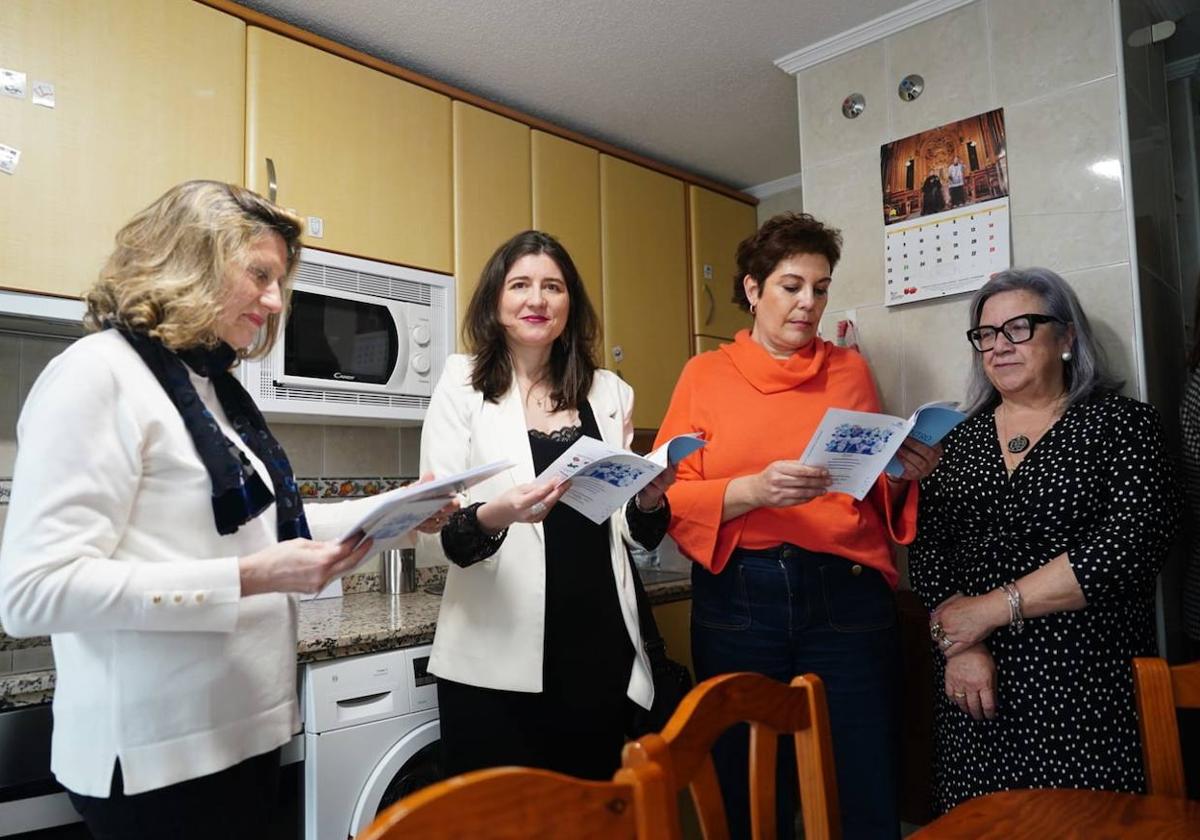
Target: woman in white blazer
538, 650
155, 528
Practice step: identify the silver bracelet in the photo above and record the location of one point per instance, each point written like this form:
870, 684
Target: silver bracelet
1016, 619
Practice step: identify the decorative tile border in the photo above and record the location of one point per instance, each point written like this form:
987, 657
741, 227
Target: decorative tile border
348, 488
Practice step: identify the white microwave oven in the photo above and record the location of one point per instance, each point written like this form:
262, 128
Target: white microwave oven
363, 342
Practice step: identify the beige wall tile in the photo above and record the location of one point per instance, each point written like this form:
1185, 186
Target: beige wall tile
780, 202
936, 355
880, 338
825, 134
846, 194
33, 658
1064, 152
950, 53
36, 353
1107, 299
304, 445
1039, 46
410, 451
10, 400
1070, 241
361, 451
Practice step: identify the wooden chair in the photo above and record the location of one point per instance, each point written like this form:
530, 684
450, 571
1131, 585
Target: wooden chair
684, 747
1159, 688
517, 803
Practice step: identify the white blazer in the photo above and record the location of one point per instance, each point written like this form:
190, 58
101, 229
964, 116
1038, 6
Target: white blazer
110, 547
491, 627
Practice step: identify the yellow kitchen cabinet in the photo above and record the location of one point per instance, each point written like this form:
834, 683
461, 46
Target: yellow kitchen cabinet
366, 153
718, 224
704, 343
146, 93
647, 337
674, 622
492, 191
566, 203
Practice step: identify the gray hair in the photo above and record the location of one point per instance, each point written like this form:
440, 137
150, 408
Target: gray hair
1084, 375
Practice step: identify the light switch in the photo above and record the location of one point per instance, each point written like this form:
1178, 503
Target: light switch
316, 227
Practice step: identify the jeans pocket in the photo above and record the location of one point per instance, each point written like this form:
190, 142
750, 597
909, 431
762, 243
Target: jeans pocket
719, 601
857, 603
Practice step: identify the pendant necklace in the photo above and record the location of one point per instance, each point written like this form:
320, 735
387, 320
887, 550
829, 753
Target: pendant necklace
1018, 443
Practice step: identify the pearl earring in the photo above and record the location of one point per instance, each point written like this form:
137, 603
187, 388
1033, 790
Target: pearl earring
1067, 355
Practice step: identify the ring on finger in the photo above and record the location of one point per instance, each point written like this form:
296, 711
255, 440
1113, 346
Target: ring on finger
537, 508
936, 632
946, 642
960, 695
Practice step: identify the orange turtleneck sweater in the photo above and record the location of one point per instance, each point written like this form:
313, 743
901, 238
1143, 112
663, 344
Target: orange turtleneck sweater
754, 409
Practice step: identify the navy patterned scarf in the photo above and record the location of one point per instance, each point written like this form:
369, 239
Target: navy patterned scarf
238, 494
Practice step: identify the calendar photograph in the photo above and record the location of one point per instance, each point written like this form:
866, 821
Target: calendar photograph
945, 209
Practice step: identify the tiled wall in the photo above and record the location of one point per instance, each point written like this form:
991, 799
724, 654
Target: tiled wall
1052, 66
330, 452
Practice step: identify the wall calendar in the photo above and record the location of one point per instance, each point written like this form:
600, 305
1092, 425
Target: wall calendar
945, 209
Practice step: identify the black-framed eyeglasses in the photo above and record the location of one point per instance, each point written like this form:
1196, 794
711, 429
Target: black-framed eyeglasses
1017, 330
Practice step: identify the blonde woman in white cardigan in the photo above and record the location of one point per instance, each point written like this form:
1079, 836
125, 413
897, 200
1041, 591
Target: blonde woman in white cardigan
155, 529
538, 650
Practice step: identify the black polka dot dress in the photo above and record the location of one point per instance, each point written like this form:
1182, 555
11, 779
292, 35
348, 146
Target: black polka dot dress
1100, 486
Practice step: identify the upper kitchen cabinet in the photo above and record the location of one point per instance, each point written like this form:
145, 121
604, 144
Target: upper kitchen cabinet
365, 153
644, 246
121, 101
566, 203
718, 224
492, 195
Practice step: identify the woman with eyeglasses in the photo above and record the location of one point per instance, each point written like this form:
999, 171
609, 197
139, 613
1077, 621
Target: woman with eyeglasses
1039, 539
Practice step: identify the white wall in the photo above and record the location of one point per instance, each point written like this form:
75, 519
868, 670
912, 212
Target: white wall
1052, 66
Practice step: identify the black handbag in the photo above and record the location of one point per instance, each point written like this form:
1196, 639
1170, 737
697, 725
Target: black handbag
672, 680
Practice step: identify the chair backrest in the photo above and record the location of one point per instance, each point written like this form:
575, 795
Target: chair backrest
1159, 688
517, 803
684, 747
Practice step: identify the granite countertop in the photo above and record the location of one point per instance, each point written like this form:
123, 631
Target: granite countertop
328, 628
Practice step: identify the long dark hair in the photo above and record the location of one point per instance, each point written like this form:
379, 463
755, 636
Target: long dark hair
573, 354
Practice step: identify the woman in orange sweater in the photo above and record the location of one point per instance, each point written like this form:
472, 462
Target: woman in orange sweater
790, 578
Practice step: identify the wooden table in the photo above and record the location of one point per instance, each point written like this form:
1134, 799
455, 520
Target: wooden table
1053, 814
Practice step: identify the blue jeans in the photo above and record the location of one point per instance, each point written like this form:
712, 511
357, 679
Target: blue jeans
785, 611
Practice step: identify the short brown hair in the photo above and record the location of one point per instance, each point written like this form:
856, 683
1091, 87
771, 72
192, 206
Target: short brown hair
167, 275
573, 354
780, 237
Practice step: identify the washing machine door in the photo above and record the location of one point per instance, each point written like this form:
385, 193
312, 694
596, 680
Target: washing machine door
411, 764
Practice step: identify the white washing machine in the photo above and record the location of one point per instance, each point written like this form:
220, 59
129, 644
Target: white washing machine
370, 738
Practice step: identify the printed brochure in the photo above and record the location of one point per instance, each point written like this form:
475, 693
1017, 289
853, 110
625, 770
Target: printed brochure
603, 478
856, 446
399, 511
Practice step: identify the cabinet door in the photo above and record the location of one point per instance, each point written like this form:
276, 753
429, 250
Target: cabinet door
492, 192
566, 203
674, 622
704, 343
147, 93
644, 236
365, 152
718, 224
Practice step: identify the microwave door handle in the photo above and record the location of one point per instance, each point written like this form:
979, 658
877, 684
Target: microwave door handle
272, 182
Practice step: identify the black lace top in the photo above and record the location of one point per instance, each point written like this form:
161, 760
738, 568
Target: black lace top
588, 655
